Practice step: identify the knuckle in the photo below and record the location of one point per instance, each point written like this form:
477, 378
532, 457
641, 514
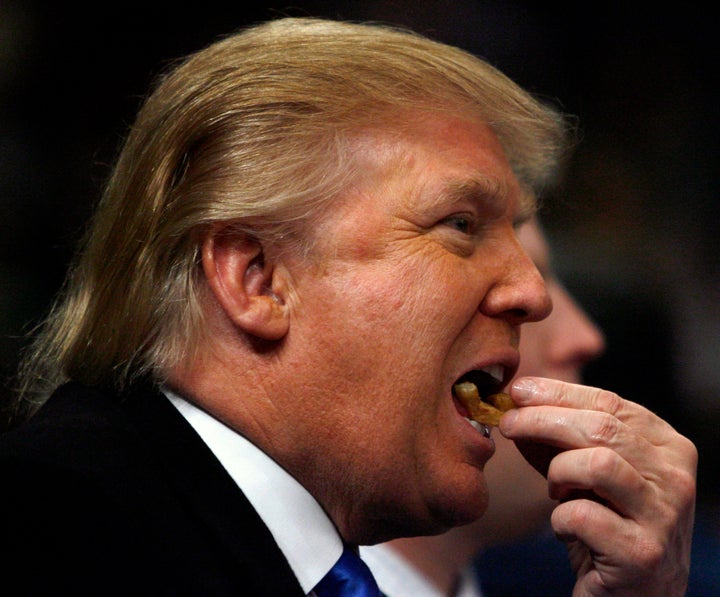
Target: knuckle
604, 429
576, 514
602, 463
649, 554
684, 484
608, 402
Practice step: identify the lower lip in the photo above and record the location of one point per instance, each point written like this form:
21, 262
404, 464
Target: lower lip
484, 430
479, 432
480, 438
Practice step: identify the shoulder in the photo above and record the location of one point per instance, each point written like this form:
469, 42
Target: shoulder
84, 486
82, 441
87, 444
98, 486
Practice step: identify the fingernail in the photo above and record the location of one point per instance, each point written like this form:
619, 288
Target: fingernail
524, 388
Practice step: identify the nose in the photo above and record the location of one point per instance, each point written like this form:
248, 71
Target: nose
519, 294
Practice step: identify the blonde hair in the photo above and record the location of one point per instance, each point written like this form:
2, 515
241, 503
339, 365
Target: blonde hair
253, 130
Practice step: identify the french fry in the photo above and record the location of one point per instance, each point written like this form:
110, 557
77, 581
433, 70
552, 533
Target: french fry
487, 412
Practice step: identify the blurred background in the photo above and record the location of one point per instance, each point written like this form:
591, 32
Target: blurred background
634, 225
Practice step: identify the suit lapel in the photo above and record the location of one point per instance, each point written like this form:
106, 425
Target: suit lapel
208, 490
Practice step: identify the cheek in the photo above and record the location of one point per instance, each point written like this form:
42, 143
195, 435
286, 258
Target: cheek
384, 334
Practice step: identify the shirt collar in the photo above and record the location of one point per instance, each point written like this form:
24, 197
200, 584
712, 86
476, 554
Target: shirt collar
395, 575
297, 522
398, 577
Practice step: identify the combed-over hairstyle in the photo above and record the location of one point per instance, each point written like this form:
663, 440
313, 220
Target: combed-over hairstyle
253, 130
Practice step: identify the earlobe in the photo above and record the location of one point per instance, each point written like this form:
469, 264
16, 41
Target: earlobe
242, 278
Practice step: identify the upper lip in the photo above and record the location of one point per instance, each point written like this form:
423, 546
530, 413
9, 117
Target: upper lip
507, 363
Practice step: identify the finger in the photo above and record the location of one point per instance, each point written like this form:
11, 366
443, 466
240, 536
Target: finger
620, 550
565, 429
604, 473
562, 428
538, 391
590, 523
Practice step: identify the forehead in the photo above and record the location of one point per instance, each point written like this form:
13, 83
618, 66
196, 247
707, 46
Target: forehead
462, 159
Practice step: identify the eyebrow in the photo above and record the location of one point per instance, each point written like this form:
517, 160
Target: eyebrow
490, 193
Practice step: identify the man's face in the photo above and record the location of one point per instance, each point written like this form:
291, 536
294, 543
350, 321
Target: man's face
418, 279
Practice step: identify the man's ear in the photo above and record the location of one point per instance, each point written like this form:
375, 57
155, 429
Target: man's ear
244, 282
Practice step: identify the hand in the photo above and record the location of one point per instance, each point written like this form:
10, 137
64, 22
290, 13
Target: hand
625, 480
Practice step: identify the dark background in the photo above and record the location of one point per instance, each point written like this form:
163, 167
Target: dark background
634, 225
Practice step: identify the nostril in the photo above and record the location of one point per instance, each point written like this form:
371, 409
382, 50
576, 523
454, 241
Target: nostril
518, 316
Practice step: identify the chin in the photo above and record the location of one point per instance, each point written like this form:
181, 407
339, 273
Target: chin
440, 516
461, 506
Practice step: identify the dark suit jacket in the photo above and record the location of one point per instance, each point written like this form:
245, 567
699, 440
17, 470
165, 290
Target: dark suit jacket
107, 496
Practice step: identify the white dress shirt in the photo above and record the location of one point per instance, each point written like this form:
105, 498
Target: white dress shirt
302, 530
396, 577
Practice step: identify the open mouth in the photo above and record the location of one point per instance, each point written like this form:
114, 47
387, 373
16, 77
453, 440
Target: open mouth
477, 394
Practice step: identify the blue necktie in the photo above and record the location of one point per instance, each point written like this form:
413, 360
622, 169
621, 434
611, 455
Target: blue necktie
349, 577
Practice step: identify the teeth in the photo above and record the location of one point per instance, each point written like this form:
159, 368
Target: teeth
496, 371
484, 429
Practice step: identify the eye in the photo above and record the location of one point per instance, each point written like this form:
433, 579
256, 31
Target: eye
460, 223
